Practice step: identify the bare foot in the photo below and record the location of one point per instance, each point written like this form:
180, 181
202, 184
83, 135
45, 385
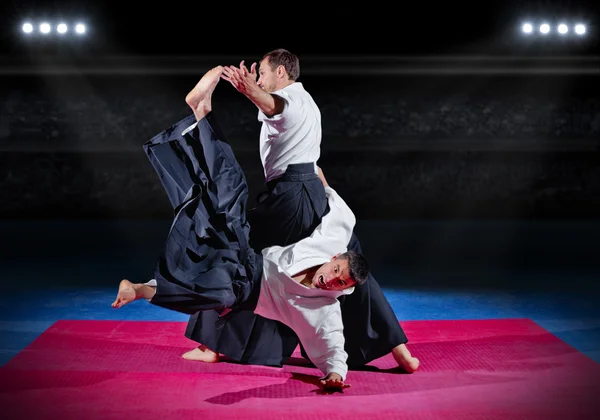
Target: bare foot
404, 359
199, 98
202, 354
128, 292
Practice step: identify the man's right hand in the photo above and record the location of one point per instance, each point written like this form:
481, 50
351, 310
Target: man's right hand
333, 382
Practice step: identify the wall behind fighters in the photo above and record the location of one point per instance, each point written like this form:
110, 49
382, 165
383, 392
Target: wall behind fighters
408, 146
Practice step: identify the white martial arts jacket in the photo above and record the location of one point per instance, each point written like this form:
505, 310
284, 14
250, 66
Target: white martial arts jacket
314, 314
293, 136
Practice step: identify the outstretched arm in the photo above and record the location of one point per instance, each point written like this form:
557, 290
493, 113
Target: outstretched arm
244, 81
323, 340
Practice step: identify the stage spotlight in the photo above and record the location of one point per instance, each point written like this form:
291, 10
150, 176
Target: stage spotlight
563, 29
61, 28
527, 28
80, 28
27, 28
544, 28
579, 29
45, 28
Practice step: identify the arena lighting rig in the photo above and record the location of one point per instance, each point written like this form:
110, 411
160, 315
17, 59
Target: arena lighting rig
541, 28
561, 28
47, 28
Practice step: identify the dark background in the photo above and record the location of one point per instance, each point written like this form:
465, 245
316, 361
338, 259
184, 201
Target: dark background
457, 141
306, 28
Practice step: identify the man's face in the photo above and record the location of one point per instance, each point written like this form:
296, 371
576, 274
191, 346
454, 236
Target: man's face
267, 77
333, 275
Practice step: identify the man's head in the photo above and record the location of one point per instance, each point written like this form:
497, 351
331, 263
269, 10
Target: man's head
343, 271
278, 69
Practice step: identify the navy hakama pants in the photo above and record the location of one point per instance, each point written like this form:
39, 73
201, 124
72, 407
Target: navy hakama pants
206, 263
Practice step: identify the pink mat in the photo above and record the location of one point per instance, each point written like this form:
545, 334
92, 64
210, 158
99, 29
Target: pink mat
491, 369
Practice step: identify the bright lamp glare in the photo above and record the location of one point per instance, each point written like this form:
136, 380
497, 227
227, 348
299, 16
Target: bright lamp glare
27, 28
45, 28
579, 29
563, 29
61, 28
544, 28
527, 28
80, 28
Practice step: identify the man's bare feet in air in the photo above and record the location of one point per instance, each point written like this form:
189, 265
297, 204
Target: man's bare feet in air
199, 98
128, 292
202, 354
404, 359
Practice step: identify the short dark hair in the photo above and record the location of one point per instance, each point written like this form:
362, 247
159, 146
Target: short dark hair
289, 61
358, 267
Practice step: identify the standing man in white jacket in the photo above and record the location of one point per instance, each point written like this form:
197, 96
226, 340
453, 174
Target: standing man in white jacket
295, 202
